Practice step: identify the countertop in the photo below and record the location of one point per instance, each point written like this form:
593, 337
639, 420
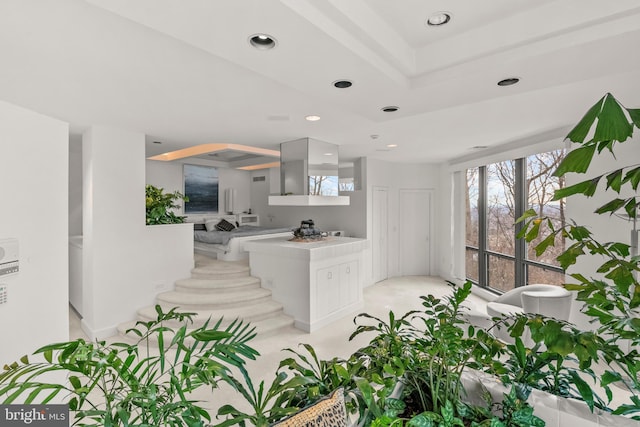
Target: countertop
330, 247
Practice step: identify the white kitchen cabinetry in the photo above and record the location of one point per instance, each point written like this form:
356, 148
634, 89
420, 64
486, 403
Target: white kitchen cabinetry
336, 287
316, 282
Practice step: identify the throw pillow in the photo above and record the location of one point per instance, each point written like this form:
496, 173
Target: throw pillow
327, 412
224, 225
210, 225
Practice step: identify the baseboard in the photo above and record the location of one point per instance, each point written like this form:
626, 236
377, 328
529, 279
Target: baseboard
336, 315
98, 334
485, 294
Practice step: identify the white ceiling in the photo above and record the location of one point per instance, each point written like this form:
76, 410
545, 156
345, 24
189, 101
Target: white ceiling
183, 72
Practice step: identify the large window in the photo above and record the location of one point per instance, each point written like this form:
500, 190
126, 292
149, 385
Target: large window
496, 195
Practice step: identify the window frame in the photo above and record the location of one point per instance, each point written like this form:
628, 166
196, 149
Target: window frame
521, 262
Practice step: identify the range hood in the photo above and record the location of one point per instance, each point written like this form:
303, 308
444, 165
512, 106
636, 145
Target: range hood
308, 174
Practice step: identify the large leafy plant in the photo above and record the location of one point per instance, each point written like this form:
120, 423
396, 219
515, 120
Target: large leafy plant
124, 384
160, 206
557, 358
612, 298
427, 351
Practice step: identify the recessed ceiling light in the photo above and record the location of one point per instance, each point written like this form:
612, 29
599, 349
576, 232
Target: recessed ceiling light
375, 136
328, 154
342, 84
392, 145
390, 109
262, 41
312, 118
438, 18
508, 82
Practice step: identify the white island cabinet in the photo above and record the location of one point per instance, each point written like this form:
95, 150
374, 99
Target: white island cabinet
317, 282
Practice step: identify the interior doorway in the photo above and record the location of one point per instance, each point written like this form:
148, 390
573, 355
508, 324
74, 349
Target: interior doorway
380, 233
415, 231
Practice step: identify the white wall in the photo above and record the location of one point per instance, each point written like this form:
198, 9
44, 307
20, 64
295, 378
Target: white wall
125, 263
33, 179
396, 177
168, 175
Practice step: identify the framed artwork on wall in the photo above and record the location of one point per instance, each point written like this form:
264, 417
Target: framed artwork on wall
201, 187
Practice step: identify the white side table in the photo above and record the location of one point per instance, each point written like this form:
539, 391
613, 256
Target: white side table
248, 219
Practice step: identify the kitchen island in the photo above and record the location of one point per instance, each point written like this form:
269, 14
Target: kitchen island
317, 282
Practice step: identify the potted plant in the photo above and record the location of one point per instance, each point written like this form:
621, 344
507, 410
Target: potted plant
612, 299
412, 372
121, 384
160, 205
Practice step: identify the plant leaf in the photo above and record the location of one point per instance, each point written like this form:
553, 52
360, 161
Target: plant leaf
581, 130
577, 160
526, 215
544, 244
633, 176
612, 206
583, 388
613, 124
635, 116
588, 188
614, 180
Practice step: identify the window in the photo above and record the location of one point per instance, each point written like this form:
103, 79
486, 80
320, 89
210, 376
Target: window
472, 228
496, 196
323, 185
541, 185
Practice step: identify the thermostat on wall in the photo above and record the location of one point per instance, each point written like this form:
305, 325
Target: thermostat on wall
9, 260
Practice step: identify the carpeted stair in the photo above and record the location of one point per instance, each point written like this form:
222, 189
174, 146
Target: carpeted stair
219, 290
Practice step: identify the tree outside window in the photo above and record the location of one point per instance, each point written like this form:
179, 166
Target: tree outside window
498, 194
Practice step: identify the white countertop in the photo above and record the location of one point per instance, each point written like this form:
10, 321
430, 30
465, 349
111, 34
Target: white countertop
330, 247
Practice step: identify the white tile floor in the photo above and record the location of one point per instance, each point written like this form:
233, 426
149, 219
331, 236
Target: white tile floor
398, 294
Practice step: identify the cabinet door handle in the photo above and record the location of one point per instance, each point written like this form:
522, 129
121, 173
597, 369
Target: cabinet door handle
329, 275
348, 270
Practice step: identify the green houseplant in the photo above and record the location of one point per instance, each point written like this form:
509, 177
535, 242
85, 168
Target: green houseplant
123, 384
160, 205
612, 299
438, 347
423, 351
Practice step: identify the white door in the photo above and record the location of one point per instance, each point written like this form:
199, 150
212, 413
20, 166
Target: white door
415, 232
379, 237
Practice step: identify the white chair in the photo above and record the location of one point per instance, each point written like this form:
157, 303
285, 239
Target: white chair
548, 300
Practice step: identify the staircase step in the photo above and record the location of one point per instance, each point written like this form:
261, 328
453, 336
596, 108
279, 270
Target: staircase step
220, 270
250, 313
264, 328
217, 290
217, 285
272, 325
200, 301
